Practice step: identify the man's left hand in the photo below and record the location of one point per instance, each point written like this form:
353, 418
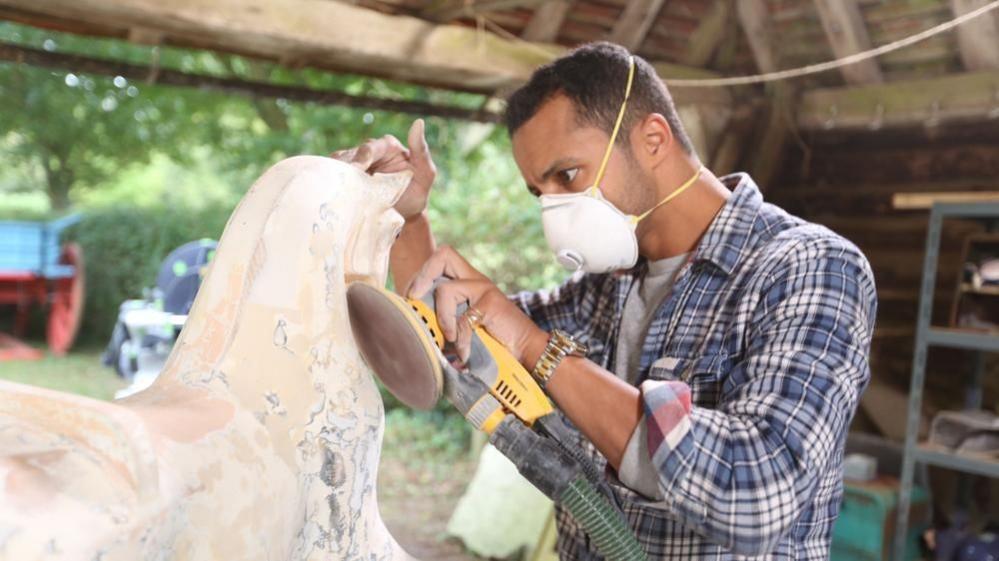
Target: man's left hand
500, 317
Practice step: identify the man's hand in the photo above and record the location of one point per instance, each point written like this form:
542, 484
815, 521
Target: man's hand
500, 317
388, 155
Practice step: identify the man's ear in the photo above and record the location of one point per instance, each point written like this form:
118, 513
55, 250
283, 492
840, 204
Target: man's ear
653, 138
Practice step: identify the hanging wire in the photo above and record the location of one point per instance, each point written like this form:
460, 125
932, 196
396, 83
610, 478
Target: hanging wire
781, 74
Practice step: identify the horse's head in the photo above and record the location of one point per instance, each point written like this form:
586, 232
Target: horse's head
261, 436
272, 302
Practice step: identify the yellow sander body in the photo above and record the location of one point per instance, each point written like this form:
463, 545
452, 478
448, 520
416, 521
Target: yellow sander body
402, 342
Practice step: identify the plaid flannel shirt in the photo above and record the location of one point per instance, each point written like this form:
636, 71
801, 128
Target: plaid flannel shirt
749, 375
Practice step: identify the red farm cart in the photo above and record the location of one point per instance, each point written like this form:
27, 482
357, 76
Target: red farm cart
37, 269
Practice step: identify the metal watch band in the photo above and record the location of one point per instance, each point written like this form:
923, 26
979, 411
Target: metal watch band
560, 345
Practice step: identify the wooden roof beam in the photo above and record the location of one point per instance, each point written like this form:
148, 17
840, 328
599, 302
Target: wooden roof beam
251, 88
847, 34
447, 10
968, 97
755, 20
298, 32
978, 39
708, 36
634, 23
547, 20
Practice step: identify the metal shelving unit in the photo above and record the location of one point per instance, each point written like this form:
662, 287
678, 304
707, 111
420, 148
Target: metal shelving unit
927, 336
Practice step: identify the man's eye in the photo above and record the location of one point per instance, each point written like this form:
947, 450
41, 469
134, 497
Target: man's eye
567, 175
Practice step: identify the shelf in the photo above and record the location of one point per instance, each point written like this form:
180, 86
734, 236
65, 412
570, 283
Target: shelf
969, 463
968, 288
981, 210
963, 339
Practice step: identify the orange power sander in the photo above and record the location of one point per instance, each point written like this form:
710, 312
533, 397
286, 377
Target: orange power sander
401, 340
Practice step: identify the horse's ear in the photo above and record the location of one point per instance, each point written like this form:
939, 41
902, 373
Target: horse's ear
392, 185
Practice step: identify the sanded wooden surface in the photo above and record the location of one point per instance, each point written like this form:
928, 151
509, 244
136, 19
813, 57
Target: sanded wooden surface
260, 439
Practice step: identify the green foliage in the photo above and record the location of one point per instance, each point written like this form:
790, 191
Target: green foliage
481, 207
24, 206
153, 167
124, 246
67, 130
425, 436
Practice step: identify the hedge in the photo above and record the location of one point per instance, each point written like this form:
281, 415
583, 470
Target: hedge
123, 247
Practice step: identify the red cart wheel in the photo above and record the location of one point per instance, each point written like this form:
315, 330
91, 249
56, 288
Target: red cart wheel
67, 303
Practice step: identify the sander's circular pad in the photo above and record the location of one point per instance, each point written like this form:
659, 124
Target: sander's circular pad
395, 344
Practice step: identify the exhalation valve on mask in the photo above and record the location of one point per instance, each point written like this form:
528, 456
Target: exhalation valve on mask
570, 259
586, 231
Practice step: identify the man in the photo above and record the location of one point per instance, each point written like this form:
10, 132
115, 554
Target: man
726, 341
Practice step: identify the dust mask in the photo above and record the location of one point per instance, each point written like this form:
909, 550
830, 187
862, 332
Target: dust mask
586, 231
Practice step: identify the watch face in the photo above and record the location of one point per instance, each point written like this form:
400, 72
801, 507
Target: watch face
569, 344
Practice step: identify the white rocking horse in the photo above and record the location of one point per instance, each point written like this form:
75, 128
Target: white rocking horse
261, 438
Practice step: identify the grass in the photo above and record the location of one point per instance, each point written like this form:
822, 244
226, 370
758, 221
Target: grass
79, 372
424, 469
424, 453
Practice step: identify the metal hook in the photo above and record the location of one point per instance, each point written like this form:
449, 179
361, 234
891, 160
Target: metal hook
934, 119
879, 117
830, 121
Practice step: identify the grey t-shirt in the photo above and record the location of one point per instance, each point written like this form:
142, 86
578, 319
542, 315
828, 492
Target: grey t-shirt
647, 294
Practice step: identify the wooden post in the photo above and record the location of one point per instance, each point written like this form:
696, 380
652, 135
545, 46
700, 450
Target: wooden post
755, 20
770, 142
978, 38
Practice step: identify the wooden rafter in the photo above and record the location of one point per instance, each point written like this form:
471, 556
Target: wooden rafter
329, 35
448, 10
847, 34
708, 36
979, 38
755, 21
968, 97
547, 20
255, 89
634, 23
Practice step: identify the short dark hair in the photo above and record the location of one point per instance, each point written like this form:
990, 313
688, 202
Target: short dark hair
593, 76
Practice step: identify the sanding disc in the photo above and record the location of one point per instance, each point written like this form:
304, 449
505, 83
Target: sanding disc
395, 344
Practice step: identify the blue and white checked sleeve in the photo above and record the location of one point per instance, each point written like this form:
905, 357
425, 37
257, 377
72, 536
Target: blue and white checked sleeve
742, 474
556, 308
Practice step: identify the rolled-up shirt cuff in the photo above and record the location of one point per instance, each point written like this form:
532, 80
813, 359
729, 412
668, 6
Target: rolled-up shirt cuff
648, 465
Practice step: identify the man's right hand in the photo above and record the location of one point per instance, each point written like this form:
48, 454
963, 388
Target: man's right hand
388, 155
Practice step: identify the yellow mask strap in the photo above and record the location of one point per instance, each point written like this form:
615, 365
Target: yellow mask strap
686, 185
617, 124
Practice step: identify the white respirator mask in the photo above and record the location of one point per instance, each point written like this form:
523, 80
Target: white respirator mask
586, 231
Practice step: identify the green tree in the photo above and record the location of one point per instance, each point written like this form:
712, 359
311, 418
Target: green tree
106, 142
71, 130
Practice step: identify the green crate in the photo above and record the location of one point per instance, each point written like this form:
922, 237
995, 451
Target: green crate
866, 524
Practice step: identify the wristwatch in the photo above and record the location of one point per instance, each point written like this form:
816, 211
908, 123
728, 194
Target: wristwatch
560, 345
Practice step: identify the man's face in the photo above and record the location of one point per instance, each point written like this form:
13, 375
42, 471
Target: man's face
556, 155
